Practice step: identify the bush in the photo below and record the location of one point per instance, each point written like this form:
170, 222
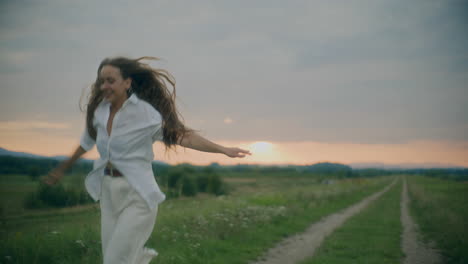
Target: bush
34, 173
181, 184
172, 193
186, 181
174, 178
216, 185
202, 182
189, 187
211, 182
56, 196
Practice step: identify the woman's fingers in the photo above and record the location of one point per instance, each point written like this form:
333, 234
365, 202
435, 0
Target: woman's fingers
53, 177
237, 153
242, 152
50, 179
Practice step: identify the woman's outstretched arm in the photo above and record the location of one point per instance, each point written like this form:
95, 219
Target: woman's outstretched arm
195, 141
56, 174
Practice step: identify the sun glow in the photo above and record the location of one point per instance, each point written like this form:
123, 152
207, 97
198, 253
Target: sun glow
261, 147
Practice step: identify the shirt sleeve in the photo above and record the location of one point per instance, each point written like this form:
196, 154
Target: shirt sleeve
156, 121
87, 142
154, 118
158, 133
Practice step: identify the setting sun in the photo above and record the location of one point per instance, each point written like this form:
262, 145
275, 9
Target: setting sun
261, 147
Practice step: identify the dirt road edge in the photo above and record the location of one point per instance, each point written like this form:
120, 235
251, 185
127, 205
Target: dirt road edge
301, 246
415, 251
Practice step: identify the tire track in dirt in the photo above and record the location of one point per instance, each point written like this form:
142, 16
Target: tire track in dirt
301, 246
416, 252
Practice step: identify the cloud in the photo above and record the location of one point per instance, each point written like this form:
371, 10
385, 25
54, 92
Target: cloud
228, 121
360, 71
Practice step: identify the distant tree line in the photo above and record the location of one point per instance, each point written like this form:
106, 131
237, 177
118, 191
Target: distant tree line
40, 166
322, 169
456, 174
35, 167
188, 180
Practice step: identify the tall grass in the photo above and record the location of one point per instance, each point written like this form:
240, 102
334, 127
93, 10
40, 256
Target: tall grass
440, 207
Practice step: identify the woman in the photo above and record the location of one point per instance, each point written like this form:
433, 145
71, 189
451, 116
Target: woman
130, 108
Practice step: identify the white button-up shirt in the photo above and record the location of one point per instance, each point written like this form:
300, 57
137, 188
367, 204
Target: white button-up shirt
136, 126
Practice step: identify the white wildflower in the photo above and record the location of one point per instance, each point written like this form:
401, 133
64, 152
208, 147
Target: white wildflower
80, 242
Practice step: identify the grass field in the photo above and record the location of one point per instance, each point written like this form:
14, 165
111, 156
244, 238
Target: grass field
372, 236
13, 189
440, 207
236, 228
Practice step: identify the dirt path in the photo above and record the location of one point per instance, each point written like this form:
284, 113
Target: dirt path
415, 251
298, 247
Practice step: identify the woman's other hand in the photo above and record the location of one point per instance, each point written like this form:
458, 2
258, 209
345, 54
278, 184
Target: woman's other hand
54, 176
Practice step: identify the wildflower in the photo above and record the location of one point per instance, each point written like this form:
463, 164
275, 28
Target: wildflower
80, 242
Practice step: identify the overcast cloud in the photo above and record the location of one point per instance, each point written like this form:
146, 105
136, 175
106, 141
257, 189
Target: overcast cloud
330, 71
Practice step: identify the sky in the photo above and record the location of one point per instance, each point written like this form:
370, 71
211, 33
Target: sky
296, 82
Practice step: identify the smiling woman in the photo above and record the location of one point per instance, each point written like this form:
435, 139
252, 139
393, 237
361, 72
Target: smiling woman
129, 109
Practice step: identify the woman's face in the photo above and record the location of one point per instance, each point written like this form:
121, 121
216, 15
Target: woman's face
113, 86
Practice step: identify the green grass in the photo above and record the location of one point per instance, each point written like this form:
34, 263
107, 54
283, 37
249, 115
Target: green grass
13, 189
205, 229
245, 228
372, 236
440, 208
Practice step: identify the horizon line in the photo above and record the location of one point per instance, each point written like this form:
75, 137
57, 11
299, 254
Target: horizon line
353, 165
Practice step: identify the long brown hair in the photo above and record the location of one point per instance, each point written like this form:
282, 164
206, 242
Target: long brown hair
148, 84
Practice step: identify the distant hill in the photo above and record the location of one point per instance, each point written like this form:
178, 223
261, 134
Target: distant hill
12, 162
5, 152
330, 168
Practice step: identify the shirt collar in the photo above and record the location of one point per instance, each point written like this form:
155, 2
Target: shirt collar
133, 98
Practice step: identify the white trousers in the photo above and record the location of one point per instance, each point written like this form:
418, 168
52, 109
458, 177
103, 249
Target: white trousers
126, 223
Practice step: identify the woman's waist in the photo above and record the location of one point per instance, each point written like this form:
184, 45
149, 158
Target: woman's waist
111, 170
130, 156
125, 166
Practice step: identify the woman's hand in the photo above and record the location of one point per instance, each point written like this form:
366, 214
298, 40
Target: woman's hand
195, 141
54, 176
236, 152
